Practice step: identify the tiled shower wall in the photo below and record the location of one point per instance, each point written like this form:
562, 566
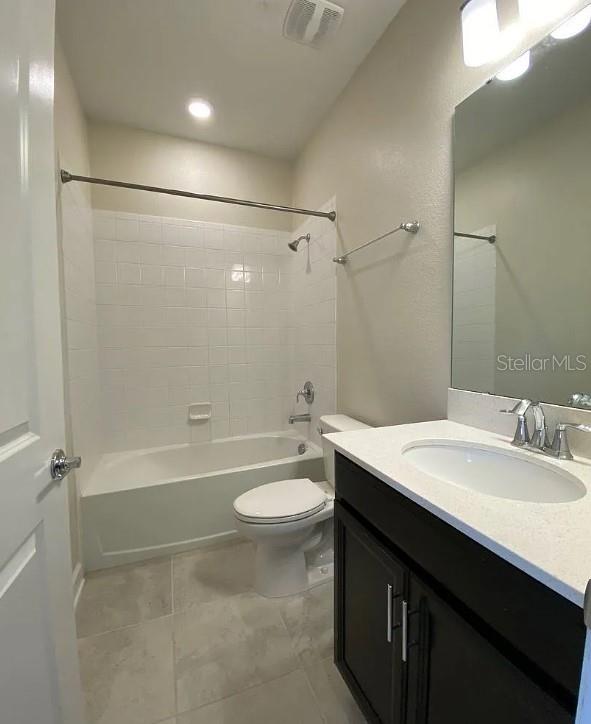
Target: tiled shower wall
313, 318
193, 312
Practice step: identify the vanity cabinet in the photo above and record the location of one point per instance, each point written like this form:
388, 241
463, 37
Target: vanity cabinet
432, 628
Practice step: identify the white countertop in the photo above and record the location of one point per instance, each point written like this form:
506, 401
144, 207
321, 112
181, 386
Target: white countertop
549, 541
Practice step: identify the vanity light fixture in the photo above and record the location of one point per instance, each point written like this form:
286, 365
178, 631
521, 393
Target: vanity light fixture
539, 12
200, 108
517, 68
573, 26
480, 31
483, 39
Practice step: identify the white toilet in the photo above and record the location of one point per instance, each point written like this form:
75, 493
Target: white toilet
291, 523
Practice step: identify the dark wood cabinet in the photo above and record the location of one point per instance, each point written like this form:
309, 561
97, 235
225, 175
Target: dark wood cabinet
373, 586
429, 630
456, 675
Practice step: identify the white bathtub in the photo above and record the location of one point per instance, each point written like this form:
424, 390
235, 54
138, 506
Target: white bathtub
146, 503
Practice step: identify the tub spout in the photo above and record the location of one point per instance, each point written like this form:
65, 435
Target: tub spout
306, 417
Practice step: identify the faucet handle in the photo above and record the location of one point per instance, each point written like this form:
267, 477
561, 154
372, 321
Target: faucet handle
520, 408
521, 437
307, 392
560, 448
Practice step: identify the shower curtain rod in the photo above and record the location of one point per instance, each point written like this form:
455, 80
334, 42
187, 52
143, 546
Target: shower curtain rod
66, 177
491, 239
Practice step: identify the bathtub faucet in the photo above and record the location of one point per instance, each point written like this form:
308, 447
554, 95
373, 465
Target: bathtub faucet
306, 417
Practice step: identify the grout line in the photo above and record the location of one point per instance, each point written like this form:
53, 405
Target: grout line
242, 691
124, 628
314, 695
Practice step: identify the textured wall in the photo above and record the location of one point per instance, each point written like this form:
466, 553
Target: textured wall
385, 150
128, 154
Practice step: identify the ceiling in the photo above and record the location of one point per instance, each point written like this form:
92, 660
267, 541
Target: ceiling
138, 62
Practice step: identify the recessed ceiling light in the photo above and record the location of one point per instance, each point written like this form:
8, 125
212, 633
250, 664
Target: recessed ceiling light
200, 109
516, 68
573, 26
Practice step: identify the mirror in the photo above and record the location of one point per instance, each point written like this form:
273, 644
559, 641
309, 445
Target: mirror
522, 289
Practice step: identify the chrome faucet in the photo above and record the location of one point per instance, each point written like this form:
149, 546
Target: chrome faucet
306, 417
539, 442
539, 439
521, 437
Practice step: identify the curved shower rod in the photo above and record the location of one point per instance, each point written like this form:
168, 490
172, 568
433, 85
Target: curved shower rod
66, 177
411, 227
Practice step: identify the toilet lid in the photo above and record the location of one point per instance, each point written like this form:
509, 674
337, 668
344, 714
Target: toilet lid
285, 500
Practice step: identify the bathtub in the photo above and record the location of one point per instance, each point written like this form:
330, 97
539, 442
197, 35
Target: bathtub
145, 503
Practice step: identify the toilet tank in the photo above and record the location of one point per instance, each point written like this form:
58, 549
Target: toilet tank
335, 423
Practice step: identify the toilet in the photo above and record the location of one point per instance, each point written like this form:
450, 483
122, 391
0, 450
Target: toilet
291, 524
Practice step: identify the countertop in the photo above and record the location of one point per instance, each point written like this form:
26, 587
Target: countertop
549, 541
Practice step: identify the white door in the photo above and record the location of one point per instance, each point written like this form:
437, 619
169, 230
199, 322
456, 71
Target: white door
39, 678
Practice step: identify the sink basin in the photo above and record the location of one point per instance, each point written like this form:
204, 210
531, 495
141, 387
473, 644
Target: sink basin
492, 471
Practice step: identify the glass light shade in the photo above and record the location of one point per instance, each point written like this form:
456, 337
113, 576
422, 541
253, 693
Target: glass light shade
538, 12
480, 31
573, 26
516, 68
483, 39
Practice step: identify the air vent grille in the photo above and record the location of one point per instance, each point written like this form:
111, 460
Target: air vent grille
312, 22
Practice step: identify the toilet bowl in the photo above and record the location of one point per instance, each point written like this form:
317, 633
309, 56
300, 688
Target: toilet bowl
291, 524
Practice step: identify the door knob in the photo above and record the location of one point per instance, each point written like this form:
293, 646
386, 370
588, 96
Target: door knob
61, 465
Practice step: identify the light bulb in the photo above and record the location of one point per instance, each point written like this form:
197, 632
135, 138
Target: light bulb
200, 109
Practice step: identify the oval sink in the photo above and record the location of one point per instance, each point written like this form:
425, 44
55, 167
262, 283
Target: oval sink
496, 472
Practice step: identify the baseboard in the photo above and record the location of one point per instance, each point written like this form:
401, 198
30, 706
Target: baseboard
77, 583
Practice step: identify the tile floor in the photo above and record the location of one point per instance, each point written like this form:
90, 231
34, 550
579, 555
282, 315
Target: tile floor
185, 640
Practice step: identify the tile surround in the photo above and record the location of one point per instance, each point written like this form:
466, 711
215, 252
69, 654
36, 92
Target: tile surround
191, 312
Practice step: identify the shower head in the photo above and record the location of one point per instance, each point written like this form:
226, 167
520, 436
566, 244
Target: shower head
293, 245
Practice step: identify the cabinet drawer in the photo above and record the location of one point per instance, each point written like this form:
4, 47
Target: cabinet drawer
540, 630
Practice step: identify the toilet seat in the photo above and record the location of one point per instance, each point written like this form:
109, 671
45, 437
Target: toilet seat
280, 502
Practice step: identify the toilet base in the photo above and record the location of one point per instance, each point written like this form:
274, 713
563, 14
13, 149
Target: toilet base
283, 572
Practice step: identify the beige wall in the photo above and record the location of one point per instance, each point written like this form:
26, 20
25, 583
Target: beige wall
78, 296
536, 191
385, 151
128, 154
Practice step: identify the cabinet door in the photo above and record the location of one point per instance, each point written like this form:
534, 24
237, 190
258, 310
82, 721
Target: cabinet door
370, 587
456, 675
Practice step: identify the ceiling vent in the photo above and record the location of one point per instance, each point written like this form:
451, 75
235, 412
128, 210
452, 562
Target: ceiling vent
312, 22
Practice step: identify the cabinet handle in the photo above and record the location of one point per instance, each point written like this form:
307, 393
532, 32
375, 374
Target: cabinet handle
404, 632
389, 614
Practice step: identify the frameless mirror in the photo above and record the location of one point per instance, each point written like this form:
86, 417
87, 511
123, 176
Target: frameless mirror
522, 241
